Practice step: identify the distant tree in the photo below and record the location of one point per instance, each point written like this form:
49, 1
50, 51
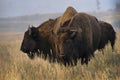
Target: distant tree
118, 6
98, 4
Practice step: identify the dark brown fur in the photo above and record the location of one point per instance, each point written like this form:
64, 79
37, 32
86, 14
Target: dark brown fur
108, 35
62, 21
78, 39
40, 40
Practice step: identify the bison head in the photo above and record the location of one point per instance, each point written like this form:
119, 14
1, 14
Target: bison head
29, 44
64, 45
64, 39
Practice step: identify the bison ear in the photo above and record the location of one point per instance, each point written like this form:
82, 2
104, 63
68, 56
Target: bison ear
29, 30
73, 35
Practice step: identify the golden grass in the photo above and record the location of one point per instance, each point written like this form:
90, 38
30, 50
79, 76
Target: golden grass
15, 65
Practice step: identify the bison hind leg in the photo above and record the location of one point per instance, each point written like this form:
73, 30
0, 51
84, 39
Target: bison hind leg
112, 45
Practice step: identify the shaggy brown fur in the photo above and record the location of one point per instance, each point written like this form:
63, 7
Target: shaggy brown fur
37, 40
62, 21
66, 16
77, 39
108, 35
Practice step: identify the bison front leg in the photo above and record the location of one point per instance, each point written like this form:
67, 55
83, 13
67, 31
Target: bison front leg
85, 59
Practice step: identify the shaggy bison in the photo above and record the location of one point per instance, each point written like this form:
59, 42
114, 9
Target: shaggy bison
38, 39
108, 35
77, 38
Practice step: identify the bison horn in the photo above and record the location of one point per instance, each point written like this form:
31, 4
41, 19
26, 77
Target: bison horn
76, 30
29, 30
72, 33
73, 30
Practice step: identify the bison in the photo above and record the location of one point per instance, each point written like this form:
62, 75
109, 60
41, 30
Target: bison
108, 35
77, 38
38, 40
63, 19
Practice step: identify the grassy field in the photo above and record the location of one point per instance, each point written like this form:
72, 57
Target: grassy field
15, 65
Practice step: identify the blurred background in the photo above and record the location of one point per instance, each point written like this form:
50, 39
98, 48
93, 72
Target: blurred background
16, 15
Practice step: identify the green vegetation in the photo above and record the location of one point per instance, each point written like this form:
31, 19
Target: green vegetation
15, 65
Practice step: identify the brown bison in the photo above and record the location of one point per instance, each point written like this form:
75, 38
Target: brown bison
108, 35
77, 38
62, 20
38, 40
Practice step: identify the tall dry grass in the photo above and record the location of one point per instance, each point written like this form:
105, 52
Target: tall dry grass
15, 65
